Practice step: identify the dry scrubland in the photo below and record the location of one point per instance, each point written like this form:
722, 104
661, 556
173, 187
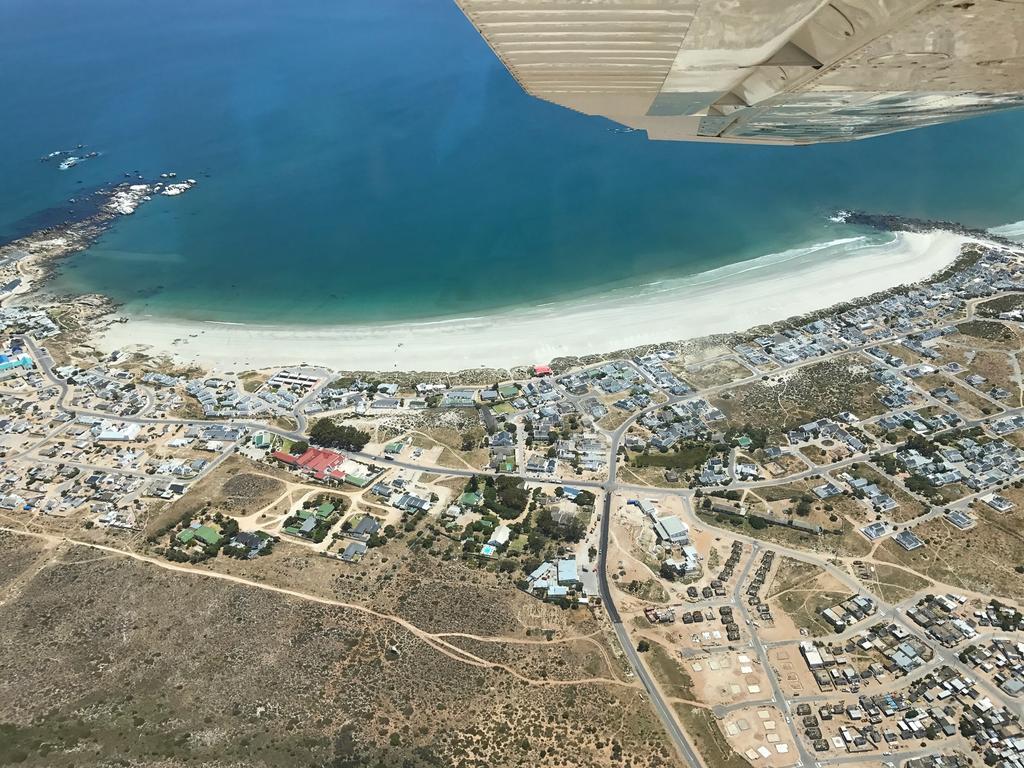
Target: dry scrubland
983, 561
814, 391
111, 661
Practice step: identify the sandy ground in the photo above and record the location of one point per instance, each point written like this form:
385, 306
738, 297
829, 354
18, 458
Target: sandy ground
728, 299
760, 728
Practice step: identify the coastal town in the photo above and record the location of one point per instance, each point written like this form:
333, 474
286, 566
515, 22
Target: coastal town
803, 540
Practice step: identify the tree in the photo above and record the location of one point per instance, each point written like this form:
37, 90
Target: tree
328, 434
643, 646
299, 447
585, 499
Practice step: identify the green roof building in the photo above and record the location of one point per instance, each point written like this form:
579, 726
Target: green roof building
325, 510
185, 536
469, 499
207, 535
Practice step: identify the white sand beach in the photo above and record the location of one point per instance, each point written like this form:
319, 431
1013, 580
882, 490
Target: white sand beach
728, 299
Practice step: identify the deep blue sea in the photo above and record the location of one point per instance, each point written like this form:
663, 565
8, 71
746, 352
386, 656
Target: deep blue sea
371, 160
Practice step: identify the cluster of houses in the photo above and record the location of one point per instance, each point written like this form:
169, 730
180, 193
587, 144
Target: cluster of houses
109, 390
790, 346
729, 566
901, 651
653, 367
609, 378
355, 535
954, 760
880, 722
714, 471
547, 420
502, 451
993, 731
757, 583
827, 429
204, 536
939, 616
223, 399
26, 320
101, 464
919, 316
918, 422
893, 391
872, 724
876, 497
1003, 659
900, 654
356, 396
561, 581
977, 464
587, 451
677, 422
104, 492
1005, 426
312, 523
728, 619
536, 393
1004, 617
849, 612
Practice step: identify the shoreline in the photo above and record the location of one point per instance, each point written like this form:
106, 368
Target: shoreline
726, 300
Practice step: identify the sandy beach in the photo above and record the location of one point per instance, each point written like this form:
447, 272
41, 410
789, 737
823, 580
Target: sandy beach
729, 299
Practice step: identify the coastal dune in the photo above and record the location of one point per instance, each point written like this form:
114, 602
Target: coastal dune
732, 298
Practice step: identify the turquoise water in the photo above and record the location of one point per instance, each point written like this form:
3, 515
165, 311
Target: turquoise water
371, 160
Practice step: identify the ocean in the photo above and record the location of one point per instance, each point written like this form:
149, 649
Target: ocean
370, 161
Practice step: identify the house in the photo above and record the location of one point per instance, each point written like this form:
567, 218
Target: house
567, 573
470, 499
672, 530
365, 528
687, 565
959, 520
458, 399
998, 503
321, 463
875, 530
353, 552
826, 491
252, 543
908, 540
500, 536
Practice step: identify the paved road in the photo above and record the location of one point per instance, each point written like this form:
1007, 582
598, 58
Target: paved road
663, 709
778, 697
609, 487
